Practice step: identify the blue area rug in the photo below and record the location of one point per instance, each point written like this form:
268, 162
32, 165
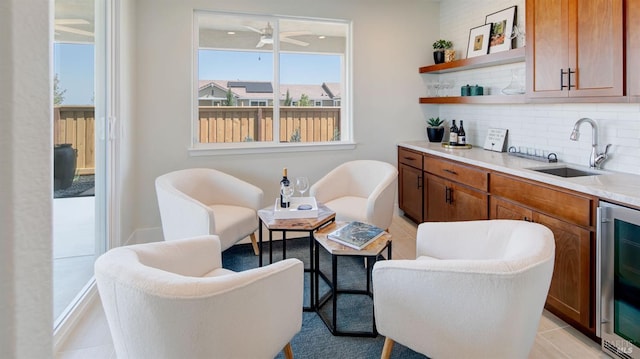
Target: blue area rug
355, 311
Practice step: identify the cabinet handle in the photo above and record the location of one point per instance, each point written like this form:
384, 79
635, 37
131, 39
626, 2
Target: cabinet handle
570, 85
528, 219
450, 171
447, 195
568, 73
409, 158
419, 182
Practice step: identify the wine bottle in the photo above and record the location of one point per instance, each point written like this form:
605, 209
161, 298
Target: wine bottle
453, 134
284, 182
462, 136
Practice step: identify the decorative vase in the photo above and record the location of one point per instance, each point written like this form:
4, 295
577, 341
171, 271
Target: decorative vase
64, 166
435, 134
438, 56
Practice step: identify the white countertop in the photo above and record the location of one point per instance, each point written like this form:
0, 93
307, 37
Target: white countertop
608, 185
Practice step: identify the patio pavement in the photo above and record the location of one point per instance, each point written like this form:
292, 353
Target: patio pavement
73, 249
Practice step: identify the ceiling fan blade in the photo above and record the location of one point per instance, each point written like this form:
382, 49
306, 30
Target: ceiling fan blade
294, 33
260, 43
73, 30
253, 29
294, 41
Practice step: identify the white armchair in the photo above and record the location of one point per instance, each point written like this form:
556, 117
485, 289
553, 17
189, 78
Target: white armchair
362, 190
199, 201
476, 290
173, 299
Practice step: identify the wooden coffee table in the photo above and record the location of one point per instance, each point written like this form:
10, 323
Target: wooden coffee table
305, 225
370, 253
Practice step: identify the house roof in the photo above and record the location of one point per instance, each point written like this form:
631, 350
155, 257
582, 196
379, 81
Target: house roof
254, 90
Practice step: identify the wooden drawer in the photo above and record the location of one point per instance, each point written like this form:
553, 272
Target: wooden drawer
457, 172
571, 207
410, 157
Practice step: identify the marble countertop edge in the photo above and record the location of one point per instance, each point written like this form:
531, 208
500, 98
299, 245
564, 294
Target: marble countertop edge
614, 186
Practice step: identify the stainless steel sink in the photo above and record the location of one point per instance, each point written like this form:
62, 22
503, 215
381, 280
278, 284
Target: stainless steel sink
565, 171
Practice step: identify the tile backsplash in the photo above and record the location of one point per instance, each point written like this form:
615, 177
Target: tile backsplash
541, 126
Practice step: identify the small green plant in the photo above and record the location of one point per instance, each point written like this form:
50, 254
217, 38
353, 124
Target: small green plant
336, 134
442, 44
435, 122
295, 136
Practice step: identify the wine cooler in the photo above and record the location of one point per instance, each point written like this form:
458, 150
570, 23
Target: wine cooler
618, 280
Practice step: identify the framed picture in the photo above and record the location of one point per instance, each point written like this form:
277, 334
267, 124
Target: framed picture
478, 40
501, 29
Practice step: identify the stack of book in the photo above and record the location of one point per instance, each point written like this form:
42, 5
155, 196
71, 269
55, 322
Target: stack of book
356, 235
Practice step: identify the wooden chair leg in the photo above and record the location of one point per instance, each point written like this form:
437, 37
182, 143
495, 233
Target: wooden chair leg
254, 243
288, 352
386, 348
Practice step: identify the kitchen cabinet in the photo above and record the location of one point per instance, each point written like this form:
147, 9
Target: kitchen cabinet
571, 218
574, 48
453, 191
633, 50
410, 183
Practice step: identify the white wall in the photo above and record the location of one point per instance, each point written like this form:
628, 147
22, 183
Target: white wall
26, 144
540, 126
390, 42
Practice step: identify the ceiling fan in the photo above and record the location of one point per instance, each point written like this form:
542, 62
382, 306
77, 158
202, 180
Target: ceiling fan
62, 25
266, 36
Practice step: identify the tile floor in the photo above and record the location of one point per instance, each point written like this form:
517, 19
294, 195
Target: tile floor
555, 339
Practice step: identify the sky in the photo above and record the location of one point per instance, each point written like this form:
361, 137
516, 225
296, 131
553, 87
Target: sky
74, 65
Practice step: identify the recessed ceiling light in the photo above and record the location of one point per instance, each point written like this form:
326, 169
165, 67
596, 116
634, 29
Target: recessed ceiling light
321, 37
231, 32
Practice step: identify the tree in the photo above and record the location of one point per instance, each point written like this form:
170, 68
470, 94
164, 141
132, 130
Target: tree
288, 99
58, 94
304, 101
231, 100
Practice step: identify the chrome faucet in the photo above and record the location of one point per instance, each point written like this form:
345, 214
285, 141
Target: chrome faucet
596, 159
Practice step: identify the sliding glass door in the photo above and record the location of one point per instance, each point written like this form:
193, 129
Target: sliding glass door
82, 106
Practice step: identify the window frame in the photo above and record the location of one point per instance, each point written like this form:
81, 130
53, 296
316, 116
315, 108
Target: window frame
346, 109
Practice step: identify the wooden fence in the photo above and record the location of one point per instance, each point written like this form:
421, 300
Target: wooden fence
238, 124
76, 125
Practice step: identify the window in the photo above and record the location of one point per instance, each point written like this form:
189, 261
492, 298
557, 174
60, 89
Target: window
265, 81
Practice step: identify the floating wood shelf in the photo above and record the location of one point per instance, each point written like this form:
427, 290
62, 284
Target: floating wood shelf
491, 99
498, 58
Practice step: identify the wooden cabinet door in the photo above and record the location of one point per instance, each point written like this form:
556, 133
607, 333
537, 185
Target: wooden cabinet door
449, 201
547, 52
436, 194
633, 49
572, 35
501, 209
597, 29
467, 204
570, 292
410, 198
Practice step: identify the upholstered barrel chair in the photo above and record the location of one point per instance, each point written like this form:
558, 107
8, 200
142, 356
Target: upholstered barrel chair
198, 201
361, 190
173, 299
476, 290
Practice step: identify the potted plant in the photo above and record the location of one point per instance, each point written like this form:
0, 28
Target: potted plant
435, 130
438, 50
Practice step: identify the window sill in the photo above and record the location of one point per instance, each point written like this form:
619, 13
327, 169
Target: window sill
220, 149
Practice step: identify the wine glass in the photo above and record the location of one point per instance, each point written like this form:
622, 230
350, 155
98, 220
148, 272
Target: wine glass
287, 192
302, 184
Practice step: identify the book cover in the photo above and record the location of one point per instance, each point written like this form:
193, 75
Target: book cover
356, 235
